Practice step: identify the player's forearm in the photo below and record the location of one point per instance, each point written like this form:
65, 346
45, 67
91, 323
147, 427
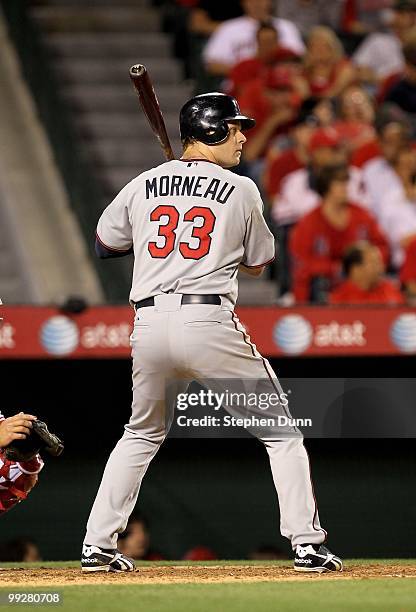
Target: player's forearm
251, 271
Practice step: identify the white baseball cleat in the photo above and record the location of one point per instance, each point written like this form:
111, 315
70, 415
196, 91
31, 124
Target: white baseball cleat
311, 558
95, 559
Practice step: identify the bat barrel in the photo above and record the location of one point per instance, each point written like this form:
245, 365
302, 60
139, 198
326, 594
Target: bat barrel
150, 105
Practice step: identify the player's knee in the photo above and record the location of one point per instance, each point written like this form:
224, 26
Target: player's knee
153, 437
285, 445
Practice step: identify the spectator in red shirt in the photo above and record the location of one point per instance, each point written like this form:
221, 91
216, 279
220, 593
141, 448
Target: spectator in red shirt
318, 242
273, 103
363, 269
408, 272
326, 68
269, 53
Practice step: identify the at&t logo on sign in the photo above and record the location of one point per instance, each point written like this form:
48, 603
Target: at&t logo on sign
403, 332
59, 336
293, 334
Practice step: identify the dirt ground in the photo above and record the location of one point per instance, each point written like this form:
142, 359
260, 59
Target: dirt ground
39, 577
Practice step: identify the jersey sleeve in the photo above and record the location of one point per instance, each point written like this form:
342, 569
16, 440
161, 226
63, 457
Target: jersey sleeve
114, 229
259, 247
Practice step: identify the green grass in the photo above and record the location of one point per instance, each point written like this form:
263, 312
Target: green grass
387, 595
360, 595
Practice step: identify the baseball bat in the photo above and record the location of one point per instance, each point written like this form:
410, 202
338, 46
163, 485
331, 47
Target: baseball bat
150, 105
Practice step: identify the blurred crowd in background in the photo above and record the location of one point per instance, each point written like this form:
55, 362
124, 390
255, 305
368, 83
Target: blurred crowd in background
135, 542
332, 86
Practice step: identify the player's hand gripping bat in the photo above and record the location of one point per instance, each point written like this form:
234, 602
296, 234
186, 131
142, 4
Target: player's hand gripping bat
150, 105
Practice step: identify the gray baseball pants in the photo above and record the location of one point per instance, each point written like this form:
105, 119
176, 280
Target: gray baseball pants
171, 341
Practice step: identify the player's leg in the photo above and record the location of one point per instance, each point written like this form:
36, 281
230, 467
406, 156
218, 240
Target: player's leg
229, 354
148, 426
126, 468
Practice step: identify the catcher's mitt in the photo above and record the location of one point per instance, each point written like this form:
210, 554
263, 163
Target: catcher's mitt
40, 439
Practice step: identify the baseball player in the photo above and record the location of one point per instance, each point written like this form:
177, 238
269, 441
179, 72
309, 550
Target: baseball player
192, 225
22, 436
17, 478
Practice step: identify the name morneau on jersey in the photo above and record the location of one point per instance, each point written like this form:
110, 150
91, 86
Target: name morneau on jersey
192, 186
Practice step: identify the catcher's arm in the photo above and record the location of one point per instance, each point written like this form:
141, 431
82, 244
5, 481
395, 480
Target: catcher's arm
16, 427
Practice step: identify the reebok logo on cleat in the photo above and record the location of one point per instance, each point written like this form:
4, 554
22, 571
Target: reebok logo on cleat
303, 560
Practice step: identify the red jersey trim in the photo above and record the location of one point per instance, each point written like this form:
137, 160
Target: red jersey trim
259, 265
39, 467
110, 248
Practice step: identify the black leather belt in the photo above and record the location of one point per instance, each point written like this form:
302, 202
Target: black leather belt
186, 299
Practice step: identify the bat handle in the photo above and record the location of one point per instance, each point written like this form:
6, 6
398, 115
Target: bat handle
137, 70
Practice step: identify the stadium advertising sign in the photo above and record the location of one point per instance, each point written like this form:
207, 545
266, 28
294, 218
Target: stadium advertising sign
100, 332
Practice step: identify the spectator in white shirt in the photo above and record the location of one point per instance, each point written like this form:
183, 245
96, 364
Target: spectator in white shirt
380, 54
235, 39
297, 195
398, 206
379, 175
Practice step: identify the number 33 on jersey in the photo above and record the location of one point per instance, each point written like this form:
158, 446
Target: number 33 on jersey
191, 223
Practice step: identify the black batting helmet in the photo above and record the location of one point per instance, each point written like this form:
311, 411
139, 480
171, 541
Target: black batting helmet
205, 118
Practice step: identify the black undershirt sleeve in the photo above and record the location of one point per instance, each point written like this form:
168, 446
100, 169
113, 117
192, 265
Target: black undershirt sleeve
105, 252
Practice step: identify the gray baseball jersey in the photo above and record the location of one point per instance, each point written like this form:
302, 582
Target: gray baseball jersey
191, 223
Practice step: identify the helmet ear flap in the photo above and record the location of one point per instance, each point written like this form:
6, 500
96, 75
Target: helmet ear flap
217, 134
